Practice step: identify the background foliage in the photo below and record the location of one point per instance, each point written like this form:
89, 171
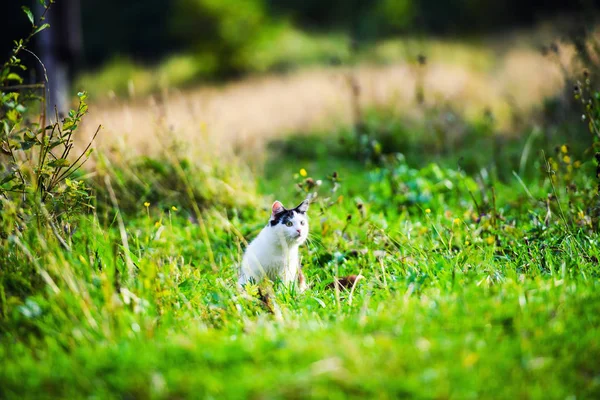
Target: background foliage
150, 30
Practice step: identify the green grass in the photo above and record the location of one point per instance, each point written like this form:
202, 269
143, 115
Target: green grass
493, 298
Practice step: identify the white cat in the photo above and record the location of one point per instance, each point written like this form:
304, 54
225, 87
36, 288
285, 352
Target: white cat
274, 252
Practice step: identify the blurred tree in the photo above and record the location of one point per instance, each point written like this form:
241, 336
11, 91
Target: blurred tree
132, 28
220, 29
382, 17
397, 14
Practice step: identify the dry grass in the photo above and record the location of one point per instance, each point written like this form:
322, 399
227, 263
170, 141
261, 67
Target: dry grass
247, 113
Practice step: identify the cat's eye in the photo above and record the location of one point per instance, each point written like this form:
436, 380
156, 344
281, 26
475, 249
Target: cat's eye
303, 222
289, 223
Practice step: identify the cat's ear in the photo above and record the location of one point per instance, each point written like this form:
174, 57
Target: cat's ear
302, 207
276, 208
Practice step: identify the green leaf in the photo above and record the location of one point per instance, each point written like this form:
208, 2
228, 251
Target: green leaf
8, 178
13, 116
26, 145
29, 135
27, 11
69, 125
18, 186
61, 162
14, 77
41, 28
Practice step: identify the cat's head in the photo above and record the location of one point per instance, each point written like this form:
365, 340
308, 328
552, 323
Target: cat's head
292, 224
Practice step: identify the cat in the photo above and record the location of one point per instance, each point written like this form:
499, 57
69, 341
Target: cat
273, 254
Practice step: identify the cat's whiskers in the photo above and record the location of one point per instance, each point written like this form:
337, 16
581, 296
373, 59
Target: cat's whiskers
311, 240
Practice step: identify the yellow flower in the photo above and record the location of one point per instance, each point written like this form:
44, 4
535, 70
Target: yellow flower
303, 172
174, 208
428, 210
577, 164
456, 221
490, 240
157, 224
567, 159
146, 204
564, 148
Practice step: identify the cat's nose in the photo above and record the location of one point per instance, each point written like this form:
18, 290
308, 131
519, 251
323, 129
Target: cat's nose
299, 231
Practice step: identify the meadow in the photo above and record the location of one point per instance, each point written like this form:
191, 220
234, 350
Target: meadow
478, 251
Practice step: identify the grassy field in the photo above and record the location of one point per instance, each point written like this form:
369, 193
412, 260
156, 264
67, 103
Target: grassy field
463, 189
474, 286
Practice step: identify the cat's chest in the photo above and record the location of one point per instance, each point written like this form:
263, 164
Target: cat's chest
277, 257
273, 257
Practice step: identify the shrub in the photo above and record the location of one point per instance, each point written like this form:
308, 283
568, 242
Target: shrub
36, 180
224, 28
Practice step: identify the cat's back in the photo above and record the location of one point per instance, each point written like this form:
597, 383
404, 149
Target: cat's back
259, 259
260, 250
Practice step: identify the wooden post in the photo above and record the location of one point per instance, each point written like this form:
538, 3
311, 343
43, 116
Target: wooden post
59, 49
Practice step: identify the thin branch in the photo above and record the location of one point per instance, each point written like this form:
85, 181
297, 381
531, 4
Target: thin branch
39, 61
28, 86
82, 154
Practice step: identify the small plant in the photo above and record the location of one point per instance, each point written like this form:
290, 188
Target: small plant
37, 170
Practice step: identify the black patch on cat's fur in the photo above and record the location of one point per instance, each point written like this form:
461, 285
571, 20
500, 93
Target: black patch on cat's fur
286, 215
282, 217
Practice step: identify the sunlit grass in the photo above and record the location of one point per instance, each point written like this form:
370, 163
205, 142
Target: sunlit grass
249, 113
453, 304
472, 56
479, 253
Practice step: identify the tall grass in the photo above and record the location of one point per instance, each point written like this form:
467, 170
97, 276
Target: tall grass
479, 258
471, 289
